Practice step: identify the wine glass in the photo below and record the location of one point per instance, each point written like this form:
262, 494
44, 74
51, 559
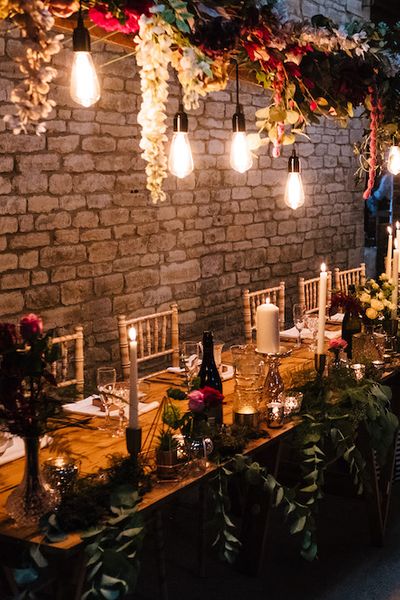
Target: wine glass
191, 359
106, 378
312, 326
299, 314
120, 397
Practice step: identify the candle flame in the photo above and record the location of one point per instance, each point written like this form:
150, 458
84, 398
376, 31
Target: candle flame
268, 301
397, 225
323, 267
132, 334
389, 230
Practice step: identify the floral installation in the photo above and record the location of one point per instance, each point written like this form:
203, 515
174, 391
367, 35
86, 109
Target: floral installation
40, 45
310, 70
375, 298
201, 400
348, 302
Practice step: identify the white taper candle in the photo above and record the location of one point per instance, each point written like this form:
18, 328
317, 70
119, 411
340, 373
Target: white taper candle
323, 281
389, 253
133, 381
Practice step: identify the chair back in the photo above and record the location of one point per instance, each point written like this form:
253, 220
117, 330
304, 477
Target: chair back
157, 336
251, 300
309, 292
348, 277
70, 345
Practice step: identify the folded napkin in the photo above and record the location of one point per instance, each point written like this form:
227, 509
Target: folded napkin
86, 407
227, 371
15, 448
293, 334
337, 318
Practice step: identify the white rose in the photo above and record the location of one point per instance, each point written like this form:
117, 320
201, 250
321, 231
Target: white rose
371, 313
365, 298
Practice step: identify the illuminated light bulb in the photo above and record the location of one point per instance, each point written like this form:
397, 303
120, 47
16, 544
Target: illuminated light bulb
84, 87
294, 192
180, 161
393, 164
241, 158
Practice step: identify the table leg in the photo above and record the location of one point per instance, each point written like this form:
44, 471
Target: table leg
255, 523
202, 542
162, 571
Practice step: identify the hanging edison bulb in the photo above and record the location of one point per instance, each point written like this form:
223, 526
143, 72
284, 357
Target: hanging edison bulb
294, 191
84, 86
240, 157
180, 161
393, 164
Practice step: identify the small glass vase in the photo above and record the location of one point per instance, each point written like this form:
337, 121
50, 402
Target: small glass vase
32, 498
368, 345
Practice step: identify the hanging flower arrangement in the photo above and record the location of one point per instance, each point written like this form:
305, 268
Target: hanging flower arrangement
310, 70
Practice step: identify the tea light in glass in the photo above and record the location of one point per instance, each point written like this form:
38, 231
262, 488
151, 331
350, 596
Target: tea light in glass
247, 416
275, 414
292, 403
61, 473
358, 370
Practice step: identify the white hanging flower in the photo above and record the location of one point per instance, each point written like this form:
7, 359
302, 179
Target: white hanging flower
40, 45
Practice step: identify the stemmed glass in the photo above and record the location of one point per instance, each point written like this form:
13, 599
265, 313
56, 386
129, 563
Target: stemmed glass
106, 378
312, 326
299, 314
191, 358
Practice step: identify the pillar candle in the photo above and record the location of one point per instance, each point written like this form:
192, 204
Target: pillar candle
323, 284
395, 293
389, 253
267, 324
398, 238
133, 382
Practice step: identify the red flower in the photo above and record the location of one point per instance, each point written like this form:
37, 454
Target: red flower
31, 326
104, 18
313, 106
211, 397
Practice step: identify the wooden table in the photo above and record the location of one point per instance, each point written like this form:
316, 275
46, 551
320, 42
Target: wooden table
93, 447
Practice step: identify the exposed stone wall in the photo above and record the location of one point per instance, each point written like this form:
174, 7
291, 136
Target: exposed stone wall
80, 241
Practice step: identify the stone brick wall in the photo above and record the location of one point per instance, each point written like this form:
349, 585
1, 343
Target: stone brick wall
80, 241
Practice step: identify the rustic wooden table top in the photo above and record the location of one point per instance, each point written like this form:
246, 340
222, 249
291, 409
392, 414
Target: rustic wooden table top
93, 447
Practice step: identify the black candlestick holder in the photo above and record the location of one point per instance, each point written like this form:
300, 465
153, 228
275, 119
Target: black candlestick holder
134, 442
320, 363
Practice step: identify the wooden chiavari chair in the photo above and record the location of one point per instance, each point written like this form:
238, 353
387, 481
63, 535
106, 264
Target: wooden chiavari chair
309, 292
157, 336
343, 279
61, 369
253, 299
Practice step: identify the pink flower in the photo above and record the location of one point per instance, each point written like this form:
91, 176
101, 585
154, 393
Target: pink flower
196, 401
337, 344
31, 326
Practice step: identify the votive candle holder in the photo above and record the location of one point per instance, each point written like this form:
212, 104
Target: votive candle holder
275, 414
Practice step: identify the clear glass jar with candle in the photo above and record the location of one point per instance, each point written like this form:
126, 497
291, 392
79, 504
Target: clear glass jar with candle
275, 414
249, 380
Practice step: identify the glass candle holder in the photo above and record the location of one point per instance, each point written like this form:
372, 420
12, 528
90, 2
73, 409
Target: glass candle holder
358, 371
275, 414
61, 473
249, 380
292, 403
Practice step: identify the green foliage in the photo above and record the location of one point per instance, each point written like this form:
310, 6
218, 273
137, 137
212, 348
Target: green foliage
166, 441
225, 540
175, 12
176, 394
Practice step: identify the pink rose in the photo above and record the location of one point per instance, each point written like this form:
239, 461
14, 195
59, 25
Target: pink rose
338, 344
31, 326
196, 401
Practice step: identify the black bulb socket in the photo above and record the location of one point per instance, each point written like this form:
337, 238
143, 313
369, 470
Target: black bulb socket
181, 122
238, 120
80, 37
294, 163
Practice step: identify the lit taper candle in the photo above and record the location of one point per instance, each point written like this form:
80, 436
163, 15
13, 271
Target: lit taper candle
395, 293
389, 253
323, 285
133, 382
